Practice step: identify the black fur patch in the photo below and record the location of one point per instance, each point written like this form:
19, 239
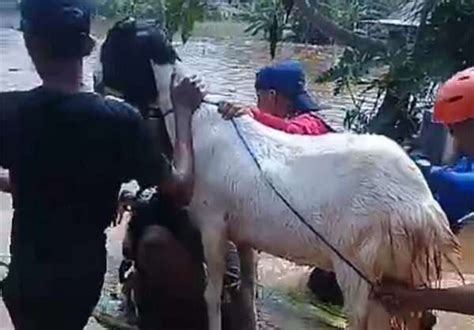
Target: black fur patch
125, 57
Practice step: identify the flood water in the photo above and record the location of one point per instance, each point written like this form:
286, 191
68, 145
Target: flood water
228, 67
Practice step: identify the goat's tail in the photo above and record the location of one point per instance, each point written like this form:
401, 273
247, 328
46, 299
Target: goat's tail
422, 241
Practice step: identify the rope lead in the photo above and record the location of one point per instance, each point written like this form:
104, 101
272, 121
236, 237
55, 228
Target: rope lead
297, 214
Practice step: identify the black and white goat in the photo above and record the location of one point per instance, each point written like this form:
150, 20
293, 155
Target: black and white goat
361, 192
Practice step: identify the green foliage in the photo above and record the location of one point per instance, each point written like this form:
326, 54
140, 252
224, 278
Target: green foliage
448, 41
350, 13
138, 8
270, 18
352, 69
260, 16
413, 72
181, 15
178, 15
347, 13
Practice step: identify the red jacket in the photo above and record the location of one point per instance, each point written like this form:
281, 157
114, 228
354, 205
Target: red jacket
304, 124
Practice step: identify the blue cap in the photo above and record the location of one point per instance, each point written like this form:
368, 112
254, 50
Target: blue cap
289, 79
56, 17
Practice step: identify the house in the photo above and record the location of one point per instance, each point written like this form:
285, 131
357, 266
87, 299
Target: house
408, 16
401, 23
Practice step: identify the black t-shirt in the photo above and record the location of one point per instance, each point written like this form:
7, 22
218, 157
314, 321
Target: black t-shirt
67, 156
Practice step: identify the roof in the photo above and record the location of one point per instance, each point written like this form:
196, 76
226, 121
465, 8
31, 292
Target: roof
407, 15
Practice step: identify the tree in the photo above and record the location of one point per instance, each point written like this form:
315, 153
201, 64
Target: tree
335, 31
181, 15
268, 17
176, 15
414, 70
337, 18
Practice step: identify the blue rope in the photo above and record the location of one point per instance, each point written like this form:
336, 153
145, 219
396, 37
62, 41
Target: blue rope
296, 213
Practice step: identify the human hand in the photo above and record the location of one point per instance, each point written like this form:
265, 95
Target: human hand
400, 300
231, 110
126, 199
121, 214
188, 95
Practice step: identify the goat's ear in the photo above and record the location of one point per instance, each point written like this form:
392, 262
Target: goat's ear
162, 75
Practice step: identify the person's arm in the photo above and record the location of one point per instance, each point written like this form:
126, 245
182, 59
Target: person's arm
142, 153
458, 300
401, 300
179, 185
301, 125
269, 120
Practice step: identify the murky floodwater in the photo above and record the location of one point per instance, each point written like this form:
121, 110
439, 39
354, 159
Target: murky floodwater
228, 67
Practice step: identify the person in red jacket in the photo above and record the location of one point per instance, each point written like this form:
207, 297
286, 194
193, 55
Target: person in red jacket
282, 101
284, 104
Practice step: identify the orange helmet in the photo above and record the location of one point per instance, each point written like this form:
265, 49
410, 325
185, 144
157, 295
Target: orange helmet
455, 100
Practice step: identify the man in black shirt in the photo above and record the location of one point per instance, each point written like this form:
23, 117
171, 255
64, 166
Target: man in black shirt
67, 154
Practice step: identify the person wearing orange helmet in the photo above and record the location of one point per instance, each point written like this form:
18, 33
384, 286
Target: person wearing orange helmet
454, 108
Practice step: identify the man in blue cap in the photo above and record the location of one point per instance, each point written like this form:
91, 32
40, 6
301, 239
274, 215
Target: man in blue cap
67, 153
283, 102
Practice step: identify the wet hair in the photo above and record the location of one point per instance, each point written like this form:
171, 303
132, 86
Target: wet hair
57, 30
157, 210
60, 47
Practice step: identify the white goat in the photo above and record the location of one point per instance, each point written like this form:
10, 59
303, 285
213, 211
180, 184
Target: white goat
361, 192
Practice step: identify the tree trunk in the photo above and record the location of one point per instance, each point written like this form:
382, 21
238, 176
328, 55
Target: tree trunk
389, 113
334, 31
427, 8
396, 100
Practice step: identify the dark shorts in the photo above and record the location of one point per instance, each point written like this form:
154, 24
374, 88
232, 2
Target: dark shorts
53, 297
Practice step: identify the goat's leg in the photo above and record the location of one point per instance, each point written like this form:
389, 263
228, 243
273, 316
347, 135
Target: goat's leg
247, 287
215, 248
377, 318
356, 295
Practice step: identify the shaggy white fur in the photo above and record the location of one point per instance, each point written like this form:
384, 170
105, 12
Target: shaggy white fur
362, 192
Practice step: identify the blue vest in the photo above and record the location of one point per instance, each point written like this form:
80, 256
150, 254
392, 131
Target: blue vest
453, 187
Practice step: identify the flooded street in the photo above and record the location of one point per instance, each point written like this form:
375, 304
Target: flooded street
228, 67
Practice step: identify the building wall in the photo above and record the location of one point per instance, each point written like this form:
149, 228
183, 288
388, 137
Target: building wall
8, 4
9, 15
